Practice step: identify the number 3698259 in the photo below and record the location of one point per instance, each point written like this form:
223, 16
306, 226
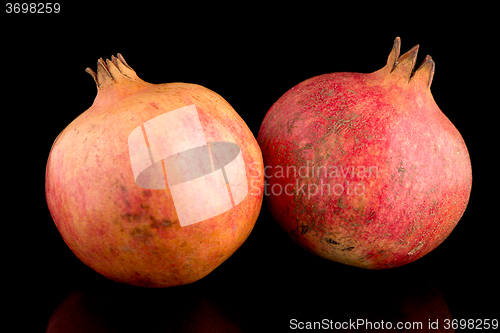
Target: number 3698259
38, 8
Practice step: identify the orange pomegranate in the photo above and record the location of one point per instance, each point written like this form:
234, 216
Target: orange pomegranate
155, 184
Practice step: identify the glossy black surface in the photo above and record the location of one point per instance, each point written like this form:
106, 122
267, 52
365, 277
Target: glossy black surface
250, 60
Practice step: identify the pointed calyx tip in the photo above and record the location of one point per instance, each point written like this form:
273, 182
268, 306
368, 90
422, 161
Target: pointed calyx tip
403, 65
425, 73
394, 55
111, 71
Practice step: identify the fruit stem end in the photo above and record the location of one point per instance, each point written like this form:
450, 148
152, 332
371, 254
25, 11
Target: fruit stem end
111, 71
402, 66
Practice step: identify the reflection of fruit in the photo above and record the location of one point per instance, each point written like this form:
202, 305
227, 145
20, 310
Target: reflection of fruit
97, 310
419, 307
130, 232
364, 169
205, 316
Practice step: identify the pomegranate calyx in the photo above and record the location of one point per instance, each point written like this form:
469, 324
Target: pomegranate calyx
402, 67
394, 55
425, 73
405, 64
111, 71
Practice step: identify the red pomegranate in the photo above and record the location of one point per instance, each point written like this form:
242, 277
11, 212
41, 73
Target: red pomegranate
155, 184
365, 169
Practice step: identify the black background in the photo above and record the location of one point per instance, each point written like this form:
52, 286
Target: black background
249, 54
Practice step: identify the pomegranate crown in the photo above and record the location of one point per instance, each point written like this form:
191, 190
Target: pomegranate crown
402, 66
111, 71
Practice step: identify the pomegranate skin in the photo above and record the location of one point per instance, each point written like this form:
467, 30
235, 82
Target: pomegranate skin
365, 169
126, 232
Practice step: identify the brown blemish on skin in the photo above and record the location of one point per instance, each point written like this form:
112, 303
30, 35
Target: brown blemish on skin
131, 217
168, 223
419, 246
155, 223
331, 241
141, 234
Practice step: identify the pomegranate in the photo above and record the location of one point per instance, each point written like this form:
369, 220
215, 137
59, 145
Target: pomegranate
155, 184
365, 169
